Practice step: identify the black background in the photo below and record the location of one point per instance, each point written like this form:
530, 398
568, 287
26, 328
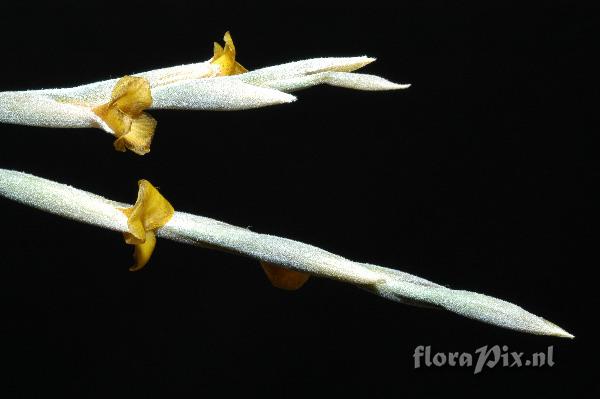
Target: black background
476, 177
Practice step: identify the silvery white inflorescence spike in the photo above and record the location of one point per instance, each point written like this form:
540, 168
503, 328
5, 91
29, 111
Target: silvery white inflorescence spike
189, 87
82, 206
220, 84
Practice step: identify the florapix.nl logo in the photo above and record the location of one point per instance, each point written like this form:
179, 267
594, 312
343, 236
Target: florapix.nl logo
485, 356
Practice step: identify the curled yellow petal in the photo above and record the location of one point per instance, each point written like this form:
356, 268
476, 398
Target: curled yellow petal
225, 58
143, 251
218, 51
139, 137
124, 114
150, 212
284, 278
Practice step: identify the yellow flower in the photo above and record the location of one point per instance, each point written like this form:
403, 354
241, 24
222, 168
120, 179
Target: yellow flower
124, 114
150, 212
225, 58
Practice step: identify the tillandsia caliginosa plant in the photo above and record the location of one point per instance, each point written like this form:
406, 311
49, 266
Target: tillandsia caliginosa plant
119, 107
220, 84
